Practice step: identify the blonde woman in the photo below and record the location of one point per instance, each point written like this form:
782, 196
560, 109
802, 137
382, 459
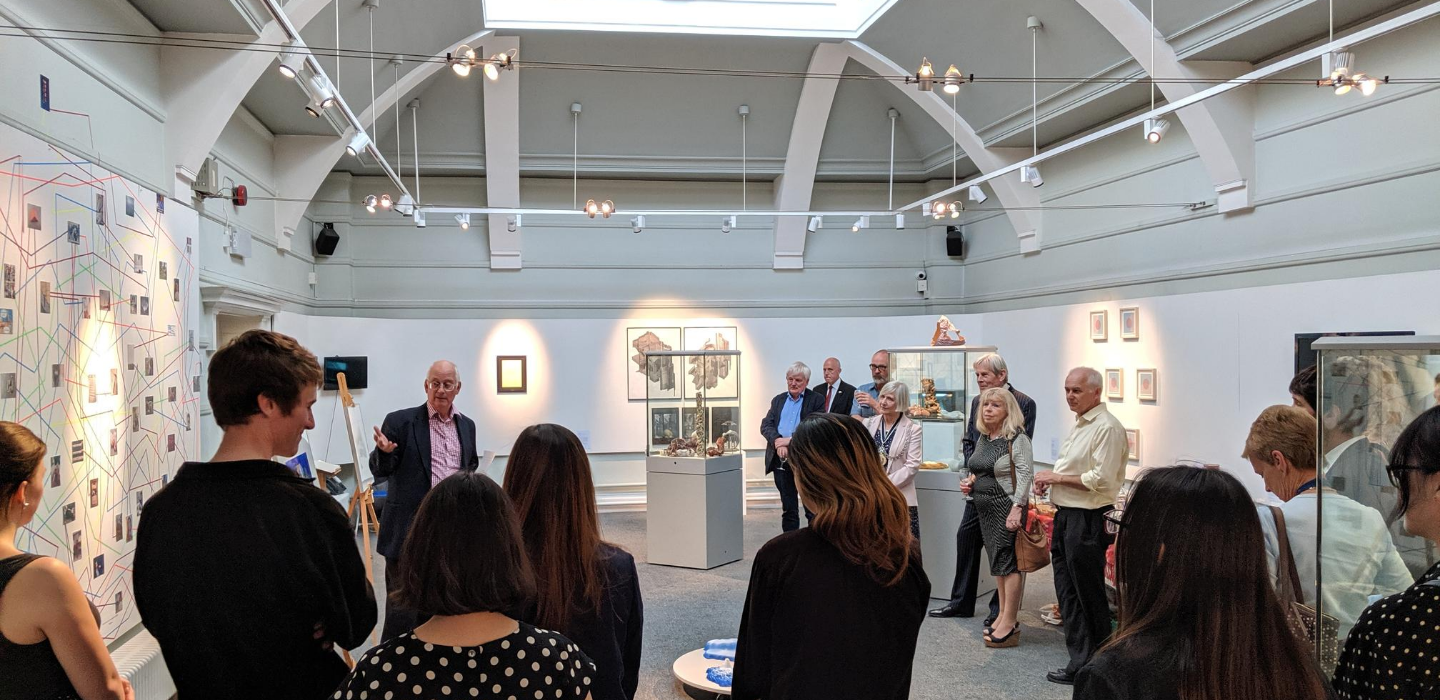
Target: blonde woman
898, 438
1000, 480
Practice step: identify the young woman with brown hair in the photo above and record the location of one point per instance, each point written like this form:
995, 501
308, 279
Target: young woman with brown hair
586, 588
834, 609
1199, 619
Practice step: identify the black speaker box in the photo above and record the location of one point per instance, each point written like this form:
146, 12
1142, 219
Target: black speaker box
954, 242
326, 240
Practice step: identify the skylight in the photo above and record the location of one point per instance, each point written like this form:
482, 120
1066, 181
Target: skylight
836, 19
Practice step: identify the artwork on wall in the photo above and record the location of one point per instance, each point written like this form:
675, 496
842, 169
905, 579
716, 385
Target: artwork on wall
713, 374
1145, 387
1099, 325
660, 373
688, 415
66, 274
1115, 384
664, 425
511, 376
1132, 441
1130, 323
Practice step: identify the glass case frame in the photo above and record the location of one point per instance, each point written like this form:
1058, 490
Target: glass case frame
708, 384
943, 407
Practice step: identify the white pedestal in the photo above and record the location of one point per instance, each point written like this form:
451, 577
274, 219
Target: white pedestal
694, 512
942, 506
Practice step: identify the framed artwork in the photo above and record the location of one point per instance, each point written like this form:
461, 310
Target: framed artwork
661, 374
664, 425
688, 416
511, 376
725, 419
1145, 387
1132, 440
1099, 325
1130, 323
716, 375
1115, 384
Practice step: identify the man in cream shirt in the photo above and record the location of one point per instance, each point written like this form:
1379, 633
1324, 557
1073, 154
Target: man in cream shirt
1083, 485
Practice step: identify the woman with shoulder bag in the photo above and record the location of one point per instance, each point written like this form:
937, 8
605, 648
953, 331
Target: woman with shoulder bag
1000, 479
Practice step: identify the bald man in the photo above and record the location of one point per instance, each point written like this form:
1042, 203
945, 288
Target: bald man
415, 448
838, 395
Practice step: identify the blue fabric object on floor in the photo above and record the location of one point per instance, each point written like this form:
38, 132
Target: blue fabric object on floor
720, 675
721, 649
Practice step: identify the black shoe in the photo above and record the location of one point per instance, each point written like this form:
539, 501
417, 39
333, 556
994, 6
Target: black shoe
1060, 676
989, 622
950, 610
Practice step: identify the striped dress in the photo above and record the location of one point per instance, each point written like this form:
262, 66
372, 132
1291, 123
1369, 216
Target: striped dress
993, 505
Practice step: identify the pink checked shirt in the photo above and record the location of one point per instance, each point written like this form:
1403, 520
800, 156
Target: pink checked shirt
444, 446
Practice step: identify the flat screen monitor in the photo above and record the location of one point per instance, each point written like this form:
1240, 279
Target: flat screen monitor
355, 369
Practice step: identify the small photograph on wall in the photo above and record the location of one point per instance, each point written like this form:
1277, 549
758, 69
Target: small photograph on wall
164, 270
114, 382
104, 300
190, 341
189, 243
1115, 384
149, 366
139, 501
44, 297
7, 321
134, 421
1132, 440
77, 451
72, 232
94, 493
129, 528
114, 442
1130, 323
1099, 325
119, 527
9, 281
55, 472
139, 262
1145, 385
660, 373
144, 306
77, 547
119, 595
664, 425
149, 404
159, 203
129, 205
8, 388
85, 308
196, 380
67, 514
134, 304
32, 217
54, 376
99, 208
94, 394
176, 285
172, 394
170, 442
99, 565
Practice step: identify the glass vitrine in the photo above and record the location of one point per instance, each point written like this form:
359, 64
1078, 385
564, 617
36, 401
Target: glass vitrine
941, 383
696, 413
1369, 390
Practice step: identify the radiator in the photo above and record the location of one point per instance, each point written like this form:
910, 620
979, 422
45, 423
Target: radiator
139, 661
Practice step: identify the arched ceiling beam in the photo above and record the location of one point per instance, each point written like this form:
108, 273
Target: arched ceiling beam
1021, 201
795, 186
1222, 128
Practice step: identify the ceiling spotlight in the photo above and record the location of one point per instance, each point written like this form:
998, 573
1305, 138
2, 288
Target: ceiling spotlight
815, 223
862, 222
978, 195
1366, 83
385, 201
1155, 129
953, 78
406, 205
464, 221
637, 223
323, 92
419, 218
726, 223
591, 208
925, 209
925, 77
370, 202
512, 223
604, 209
899, 221
291, 61
1031, 174
607, 208
955, 208
462, 60
497, 63
357, 143
1339, 71
938, 209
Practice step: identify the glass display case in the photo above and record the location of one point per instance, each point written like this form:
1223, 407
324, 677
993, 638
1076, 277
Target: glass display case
692, 403
941, 381
1369, 390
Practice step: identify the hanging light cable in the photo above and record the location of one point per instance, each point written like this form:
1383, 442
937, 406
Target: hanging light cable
1154, 128
575, 157
1030, 173
744, 159
893, 114
415, 131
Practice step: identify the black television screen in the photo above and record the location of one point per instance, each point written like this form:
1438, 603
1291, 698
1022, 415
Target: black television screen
355, 369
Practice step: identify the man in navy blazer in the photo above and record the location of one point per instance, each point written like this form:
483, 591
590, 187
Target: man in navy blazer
836, 395
415, 448
786, 412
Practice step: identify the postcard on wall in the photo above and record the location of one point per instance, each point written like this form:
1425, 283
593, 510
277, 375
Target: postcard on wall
32, 217
104, 300
9, 281
114, 382
72, 232
77, 451
164, 270
134, 304
55, 472
149, 366
139, 262
99, 565
114, 442
94, 493
44, 297
119, 528
54, 376
94, 393
7, 321
149, 404
129, 205
176, 295
159, 203
77, 546
8, 388
172, 395
99, 208
129, 528
144, 306
660, 376
67, 514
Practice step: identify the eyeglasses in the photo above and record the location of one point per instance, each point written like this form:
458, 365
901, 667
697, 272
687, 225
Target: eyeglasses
1395, 470
1114, 520
445, 385
878, 366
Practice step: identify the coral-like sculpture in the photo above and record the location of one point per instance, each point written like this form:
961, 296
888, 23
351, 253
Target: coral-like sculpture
929, 406
943, 330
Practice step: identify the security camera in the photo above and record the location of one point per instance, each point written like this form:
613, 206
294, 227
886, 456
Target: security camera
921, 276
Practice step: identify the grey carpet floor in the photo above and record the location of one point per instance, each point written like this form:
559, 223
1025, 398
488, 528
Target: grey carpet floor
685, 607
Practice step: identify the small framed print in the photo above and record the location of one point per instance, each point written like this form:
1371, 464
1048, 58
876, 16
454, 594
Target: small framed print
1115, 384
1099, 325
510, 374
1132, 441
1130, 323
1145, 387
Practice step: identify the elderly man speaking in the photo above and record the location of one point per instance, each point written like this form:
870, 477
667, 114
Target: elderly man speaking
415, 448
786, 412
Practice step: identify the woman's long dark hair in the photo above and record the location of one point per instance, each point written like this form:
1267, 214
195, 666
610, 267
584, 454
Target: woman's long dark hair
857, 509
548, 479
1417, 449
1190, 564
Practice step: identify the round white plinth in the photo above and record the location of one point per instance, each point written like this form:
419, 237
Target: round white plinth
690, 669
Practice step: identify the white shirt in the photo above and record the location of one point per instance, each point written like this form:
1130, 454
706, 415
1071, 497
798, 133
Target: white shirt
1358, 560
1334, 455
1096, 451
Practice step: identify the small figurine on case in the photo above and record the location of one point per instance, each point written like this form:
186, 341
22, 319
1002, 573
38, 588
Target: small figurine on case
943, 330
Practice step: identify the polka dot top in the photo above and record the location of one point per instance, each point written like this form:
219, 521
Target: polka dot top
1393, 652
531, 664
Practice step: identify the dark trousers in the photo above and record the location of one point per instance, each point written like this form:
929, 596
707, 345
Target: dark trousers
915, 522
968, 543
789, 501
1077, 550
398, 620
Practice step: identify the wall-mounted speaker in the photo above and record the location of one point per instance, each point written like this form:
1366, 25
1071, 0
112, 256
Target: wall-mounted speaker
954, 242
326, 240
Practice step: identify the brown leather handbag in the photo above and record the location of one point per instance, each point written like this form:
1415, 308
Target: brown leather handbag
1032, 545
1305, 621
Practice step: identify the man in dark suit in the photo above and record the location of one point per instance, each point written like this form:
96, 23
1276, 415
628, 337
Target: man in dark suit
786, 412
990, 371
415, 448
836, 396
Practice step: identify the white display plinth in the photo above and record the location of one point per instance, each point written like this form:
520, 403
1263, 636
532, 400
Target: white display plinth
942, 506
694, 510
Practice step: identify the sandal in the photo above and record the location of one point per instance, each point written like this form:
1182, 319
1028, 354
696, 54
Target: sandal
1009, 640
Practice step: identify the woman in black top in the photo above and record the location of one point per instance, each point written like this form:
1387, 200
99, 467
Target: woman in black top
50, 643
586, 589
1199, 619
1393, 652
833, 610
463, 564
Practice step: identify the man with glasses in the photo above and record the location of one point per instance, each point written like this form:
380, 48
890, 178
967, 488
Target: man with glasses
415, 448
867, 395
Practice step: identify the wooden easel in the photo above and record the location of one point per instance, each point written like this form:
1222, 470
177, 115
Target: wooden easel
364, 495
